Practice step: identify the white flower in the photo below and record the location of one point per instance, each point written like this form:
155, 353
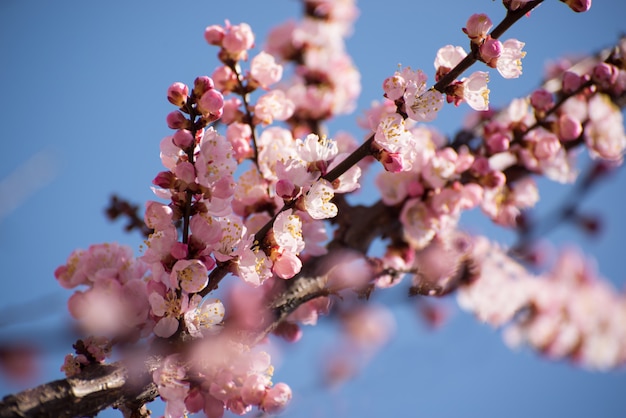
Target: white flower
317, 201
509, 63
475, 91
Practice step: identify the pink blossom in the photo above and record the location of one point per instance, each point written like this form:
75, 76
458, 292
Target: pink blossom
237, 40
287, 231
253, 266
348, 181
317, 200
274, 144
159, 244
205, 318
605, 134
477, 27
214, 162
254, 389
172, 387
274, 105
185, 172
265, 70
509, 63
475, 91
421, 105
447, 58
314, 148
190, 275
239, 135
501, 288
419, 223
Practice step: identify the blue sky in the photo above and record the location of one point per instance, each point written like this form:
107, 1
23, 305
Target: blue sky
84, 110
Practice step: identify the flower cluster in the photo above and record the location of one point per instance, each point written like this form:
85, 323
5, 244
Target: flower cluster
569, 312
325, 81
232, 378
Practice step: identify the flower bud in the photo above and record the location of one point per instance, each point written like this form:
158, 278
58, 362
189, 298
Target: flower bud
477, 27
214, 34
605, 75
183, 139
571, 82
176, 120
569, 128
211, 102
164, 180
541, 100
202, 84
578, 5
490, 51
498, 143
177, 94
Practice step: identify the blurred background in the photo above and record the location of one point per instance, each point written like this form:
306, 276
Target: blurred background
84, 87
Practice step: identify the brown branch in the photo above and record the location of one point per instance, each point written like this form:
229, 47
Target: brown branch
98, 387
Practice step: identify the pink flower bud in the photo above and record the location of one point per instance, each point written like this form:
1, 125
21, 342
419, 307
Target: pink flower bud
225, 79
287, 265
238, 39
394, 86
498, 143
490, 50
571, 82
569, 128
541, 100
494, 179
481, 166
547, 146
211, 102
157, 215
183, 138
202, 84
578, 5
605, 75
477, 27
177, 94
276, 398
286, 189
164, 180
176, 120
214, 34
